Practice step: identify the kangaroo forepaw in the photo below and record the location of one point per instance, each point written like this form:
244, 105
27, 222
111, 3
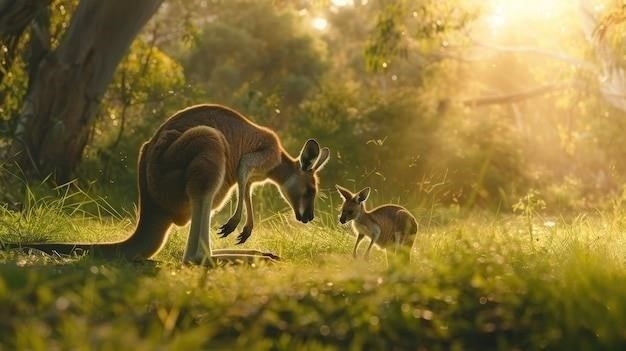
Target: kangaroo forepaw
227, 228
244, 235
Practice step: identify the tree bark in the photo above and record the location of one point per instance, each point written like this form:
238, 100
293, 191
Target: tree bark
53, 127
15, 16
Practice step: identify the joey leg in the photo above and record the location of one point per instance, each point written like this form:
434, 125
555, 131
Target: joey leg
374, 239
356, 245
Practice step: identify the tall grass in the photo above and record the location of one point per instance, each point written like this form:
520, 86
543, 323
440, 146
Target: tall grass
474, 283
52, 213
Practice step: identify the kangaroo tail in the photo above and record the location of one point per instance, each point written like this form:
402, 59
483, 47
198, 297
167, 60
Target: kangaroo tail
147, 239
66, 248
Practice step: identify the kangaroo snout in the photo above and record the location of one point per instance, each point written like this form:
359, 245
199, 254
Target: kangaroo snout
305, 218
305, 214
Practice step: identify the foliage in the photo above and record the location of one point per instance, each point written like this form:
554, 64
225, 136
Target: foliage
18, 56
427, 25
257, 58
405, 129
612, 23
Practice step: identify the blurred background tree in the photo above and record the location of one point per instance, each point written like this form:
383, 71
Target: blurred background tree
458, 103
66, 81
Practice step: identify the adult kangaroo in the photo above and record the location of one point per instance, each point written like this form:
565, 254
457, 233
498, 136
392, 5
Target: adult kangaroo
188, 168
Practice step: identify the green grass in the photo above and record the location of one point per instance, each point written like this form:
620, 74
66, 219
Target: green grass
474, 283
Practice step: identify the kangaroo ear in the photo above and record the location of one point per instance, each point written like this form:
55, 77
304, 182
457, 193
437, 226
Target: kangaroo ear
322, 159
345, 193
309, 153
363, 194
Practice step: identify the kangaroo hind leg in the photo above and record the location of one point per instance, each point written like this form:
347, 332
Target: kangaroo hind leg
198, 246
203, 151
403, 233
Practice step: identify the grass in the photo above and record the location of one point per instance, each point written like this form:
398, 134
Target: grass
474, 283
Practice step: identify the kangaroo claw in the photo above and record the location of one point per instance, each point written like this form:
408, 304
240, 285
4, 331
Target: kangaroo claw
227, 228
244, 235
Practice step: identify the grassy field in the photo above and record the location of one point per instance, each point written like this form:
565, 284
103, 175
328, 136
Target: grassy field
475, 282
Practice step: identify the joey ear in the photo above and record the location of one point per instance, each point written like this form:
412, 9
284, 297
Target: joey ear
345, 193
322, 159
363, 194
309, 153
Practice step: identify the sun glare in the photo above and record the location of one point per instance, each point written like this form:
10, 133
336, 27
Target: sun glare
497, 18
319, 23
341, 3
501, 13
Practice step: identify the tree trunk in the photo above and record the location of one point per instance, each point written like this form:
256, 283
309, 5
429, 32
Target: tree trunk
53, 127
15, 16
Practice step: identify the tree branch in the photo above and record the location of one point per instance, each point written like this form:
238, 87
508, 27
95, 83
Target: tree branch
539, 52
515, 97
15, 16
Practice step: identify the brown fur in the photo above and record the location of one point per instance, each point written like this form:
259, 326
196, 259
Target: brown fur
188, 168
386, 225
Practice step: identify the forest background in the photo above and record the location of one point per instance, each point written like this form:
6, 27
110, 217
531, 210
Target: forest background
435, 104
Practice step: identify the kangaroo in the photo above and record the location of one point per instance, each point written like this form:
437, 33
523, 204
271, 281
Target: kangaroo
189, 167
385, 225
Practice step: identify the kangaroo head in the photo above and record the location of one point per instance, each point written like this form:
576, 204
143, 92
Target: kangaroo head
352, 203
300, 187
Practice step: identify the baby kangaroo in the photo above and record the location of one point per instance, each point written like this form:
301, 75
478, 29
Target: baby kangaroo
385, 225
188, 168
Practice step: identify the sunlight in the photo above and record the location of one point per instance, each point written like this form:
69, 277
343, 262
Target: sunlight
341, 3
497, 18
319, 23
502, 13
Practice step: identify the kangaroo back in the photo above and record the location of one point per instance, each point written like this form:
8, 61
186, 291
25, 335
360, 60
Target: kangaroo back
405, 222
412, 224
